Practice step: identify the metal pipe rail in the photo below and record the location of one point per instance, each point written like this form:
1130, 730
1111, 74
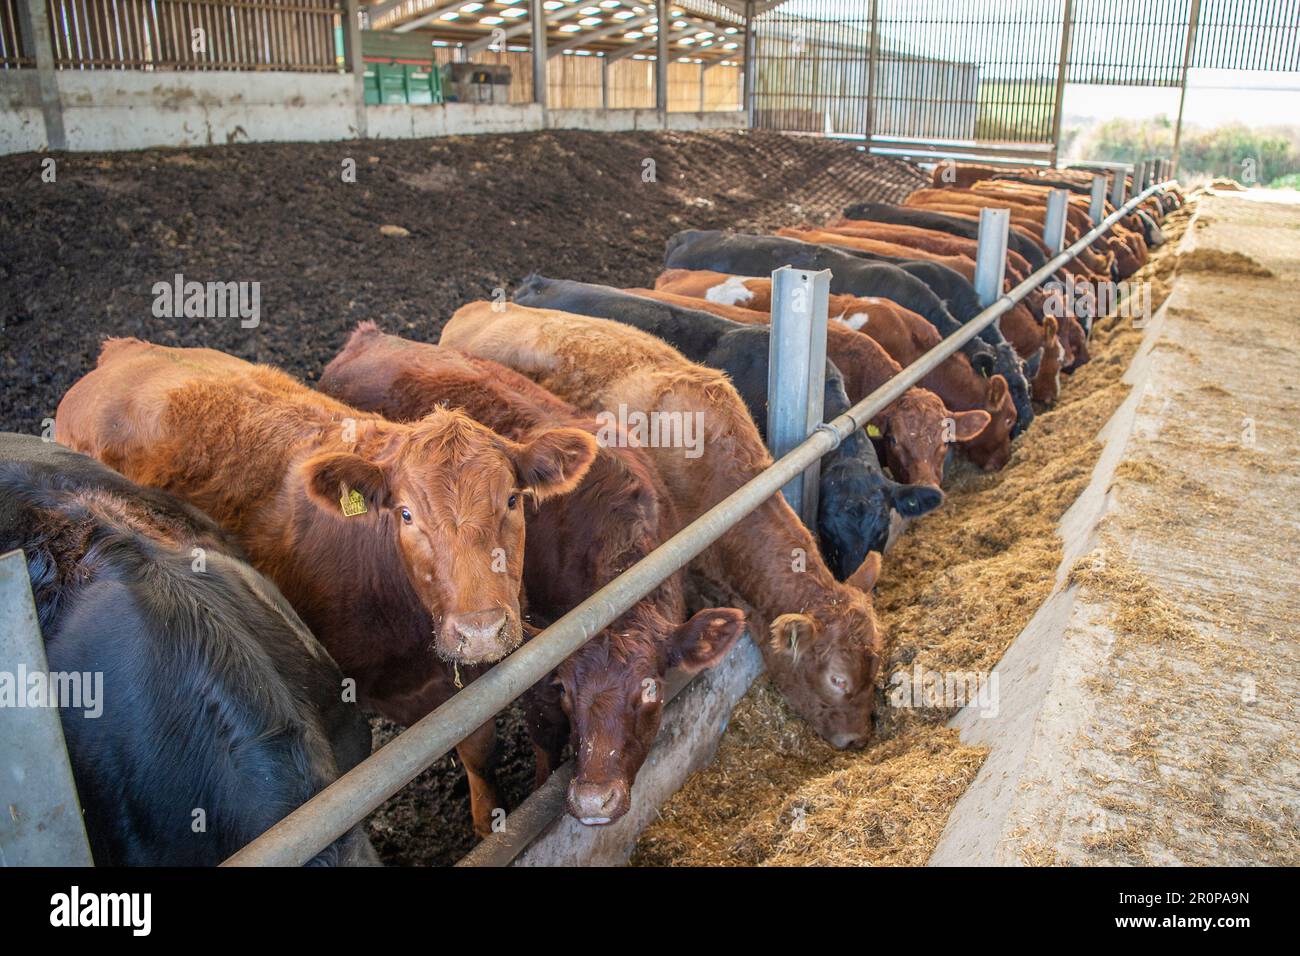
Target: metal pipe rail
346, 802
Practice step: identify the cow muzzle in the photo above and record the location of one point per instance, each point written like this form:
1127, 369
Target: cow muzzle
595, 804
478, 637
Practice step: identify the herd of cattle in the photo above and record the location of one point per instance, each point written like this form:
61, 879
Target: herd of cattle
249, 561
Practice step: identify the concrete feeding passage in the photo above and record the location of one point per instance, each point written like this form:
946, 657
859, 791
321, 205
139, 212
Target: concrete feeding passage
1147, 711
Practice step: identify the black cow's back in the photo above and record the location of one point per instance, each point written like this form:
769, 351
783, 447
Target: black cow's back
220, 711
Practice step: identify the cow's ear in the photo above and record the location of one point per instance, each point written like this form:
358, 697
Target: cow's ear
555, 461
864, 578
1033, 363
791, 634
333, 477
996, 391
704, 640
1050, 328
966, 425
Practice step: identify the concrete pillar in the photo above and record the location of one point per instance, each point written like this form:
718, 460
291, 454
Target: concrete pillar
354, 61
36, 28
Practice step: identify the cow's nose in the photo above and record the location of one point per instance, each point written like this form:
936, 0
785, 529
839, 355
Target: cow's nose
597, 803
477, 635
849, 741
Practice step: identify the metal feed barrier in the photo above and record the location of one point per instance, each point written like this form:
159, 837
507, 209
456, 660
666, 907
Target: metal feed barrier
346, 802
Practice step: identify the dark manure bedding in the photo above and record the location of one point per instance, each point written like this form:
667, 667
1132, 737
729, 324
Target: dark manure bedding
80, 257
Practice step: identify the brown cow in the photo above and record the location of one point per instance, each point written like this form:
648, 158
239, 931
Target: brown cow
914, 438
915, 430
399, 545
1029, 338
612, 690
1027, 213
823, 647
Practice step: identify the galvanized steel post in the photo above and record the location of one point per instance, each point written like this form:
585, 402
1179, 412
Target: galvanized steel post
1189, 50
1097, 202
751, 64
537, 15
1118, 188
796, 374
1062, 67
662, 25
41, 823
1054, 220
991, 255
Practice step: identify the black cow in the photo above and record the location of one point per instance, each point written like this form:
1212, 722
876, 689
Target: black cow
923, 287
943, 222
855, 497
220, 712
748, 255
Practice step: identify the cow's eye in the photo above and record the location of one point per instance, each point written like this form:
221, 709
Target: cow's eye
406, 515
513, 500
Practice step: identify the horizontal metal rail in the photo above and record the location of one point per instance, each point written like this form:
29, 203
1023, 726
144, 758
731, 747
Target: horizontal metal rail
346, 802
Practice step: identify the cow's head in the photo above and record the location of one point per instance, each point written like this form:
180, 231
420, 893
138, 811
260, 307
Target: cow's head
1076, 342
917, 430
1047, 379
825, 659
449, 494
991, 448
857, 503
1009, 365
613, 693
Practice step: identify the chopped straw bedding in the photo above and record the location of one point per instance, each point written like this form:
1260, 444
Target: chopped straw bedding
956, 590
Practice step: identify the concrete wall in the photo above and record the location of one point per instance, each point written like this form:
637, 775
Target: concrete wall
22, 127
451, 119
129, 109
126, 109
633, 119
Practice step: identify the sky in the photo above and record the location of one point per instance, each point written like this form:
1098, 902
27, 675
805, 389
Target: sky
1214, 97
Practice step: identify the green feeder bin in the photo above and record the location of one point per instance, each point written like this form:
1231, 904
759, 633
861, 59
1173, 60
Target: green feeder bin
371, 85
392, 82
419, 85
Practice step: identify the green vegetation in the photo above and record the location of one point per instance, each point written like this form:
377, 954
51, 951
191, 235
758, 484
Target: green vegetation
1016, 111
1262, 156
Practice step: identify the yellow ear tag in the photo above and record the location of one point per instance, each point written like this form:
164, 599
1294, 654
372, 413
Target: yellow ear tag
352, 504
873, 431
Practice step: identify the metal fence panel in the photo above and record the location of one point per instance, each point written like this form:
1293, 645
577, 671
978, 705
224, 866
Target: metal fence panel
943, 71
1258, 35
14, 50
294, 35
986, 76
